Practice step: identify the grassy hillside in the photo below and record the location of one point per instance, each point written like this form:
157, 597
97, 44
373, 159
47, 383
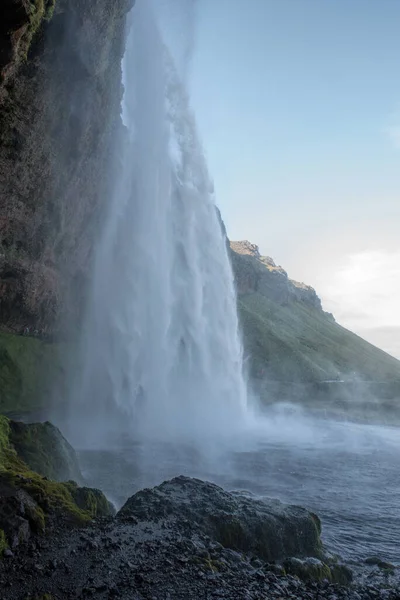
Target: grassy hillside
296, 342
287, 335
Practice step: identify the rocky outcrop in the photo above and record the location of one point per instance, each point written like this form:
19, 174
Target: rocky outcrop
268, 528
31, 502
163, 545
59, 113
21, 21
45, 450
256, 273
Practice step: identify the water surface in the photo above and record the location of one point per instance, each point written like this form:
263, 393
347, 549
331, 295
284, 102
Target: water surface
347, 473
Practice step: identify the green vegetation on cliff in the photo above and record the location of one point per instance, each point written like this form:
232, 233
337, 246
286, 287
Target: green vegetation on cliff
289, 338
38, 11
295, 342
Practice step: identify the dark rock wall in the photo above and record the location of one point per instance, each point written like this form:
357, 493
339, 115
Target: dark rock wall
59, 115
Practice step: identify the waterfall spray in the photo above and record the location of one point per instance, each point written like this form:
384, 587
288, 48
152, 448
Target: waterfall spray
161, 354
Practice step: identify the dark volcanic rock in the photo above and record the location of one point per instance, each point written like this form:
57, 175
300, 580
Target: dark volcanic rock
160, 555
19, 514
269, 529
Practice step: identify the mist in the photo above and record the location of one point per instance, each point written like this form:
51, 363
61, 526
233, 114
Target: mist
162, 389
161, 353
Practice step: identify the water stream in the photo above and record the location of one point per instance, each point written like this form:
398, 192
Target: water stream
161, 354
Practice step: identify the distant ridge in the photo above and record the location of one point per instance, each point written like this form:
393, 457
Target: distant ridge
287, 335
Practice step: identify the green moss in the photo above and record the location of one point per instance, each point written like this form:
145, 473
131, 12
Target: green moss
25, 367
4, 440
43, 448
53, 498
209, 564
51, 4
74, 505
3, 542
38, 12
341, 574
230, 533
317, 522
91, 500
308, 570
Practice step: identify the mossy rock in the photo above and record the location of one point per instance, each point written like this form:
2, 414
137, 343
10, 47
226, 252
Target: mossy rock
3, 542
242, 522
22, 23
44, 449
309, 569
91, 500
29, 502
312, 569
341, 574
38, 12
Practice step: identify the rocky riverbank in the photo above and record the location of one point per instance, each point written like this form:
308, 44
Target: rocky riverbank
186, 539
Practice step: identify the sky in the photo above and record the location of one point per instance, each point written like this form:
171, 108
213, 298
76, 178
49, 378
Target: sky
298, 108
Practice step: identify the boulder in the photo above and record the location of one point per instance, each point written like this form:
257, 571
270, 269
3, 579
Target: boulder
45, 450
239, 521
310, 569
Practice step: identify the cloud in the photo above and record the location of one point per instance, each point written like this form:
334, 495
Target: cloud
363, 292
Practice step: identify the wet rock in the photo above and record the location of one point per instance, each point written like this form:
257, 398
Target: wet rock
269, 529
381, 564
45, 450
19, 514
341, 574
310, 569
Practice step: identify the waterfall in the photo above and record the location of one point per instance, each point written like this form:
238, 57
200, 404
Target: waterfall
161, 353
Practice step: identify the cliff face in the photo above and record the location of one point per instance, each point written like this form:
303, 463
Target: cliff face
59, 112
20, 22
256, 273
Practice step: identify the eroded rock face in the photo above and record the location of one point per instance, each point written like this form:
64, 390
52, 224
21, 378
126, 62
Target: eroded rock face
59, 114
269, 529
20, 21
256, 273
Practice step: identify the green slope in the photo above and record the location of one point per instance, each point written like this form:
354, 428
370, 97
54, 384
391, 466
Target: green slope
298, 343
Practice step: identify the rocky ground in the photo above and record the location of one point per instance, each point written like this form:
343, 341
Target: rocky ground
155, 550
